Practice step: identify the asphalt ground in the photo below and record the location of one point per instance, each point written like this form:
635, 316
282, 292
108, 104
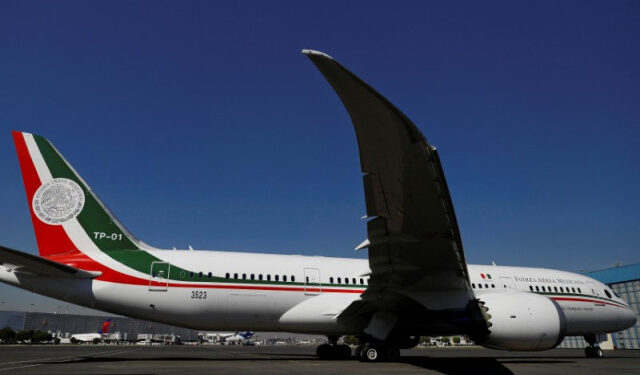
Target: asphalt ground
291, 360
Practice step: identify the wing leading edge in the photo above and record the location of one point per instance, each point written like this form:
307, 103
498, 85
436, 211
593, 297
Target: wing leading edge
415, 248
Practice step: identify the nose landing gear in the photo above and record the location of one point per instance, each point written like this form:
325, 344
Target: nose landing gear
593, 350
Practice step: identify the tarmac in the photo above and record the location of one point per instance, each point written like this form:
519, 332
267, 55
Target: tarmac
291, 360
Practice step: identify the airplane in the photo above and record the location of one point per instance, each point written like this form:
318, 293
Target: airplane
239, 338
91, 337
415, 282
224, 337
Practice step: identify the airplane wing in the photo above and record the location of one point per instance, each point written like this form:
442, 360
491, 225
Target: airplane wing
414, 244
18, 261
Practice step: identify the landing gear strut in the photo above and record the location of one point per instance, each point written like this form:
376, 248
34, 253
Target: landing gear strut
593, 350
332, 350
372, 351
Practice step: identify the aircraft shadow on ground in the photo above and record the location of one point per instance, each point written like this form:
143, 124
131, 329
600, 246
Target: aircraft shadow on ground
447, 365
459, 366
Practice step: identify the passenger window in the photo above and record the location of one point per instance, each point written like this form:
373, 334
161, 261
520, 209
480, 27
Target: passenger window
269, 277
253, 277
579, 291
346, 280
260, 277
200, 275
537, 289
331, 280
244, 276
493, 285
210, 275
293, 278
531, 288
339, 280
277, 277
361, 282
486, 286
473, 285
226, 275
543, 289
479, 286
561, 290
353, 281
555, 289
607, 293
191, 275
573, 290
284, 278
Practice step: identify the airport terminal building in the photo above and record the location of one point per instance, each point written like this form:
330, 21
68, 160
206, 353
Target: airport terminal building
64, 325
625, 282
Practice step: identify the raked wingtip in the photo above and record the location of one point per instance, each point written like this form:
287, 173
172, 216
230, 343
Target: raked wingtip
314, 52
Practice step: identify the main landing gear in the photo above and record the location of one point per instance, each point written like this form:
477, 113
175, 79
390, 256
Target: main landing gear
370, 351
593, 350
332, 350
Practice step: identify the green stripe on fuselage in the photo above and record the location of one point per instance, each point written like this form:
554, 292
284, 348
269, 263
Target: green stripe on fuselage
115, 243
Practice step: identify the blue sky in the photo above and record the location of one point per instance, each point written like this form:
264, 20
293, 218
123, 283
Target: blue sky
201, 123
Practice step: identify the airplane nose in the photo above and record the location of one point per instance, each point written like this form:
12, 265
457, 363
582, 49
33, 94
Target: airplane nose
629, 317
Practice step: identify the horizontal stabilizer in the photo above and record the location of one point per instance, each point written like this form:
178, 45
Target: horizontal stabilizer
23, 262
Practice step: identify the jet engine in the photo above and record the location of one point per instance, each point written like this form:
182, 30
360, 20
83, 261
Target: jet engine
521, 321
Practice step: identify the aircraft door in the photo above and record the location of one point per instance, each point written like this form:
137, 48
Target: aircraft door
312, 284
507, 283
159, 281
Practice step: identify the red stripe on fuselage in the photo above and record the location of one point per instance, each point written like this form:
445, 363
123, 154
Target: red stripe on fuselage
54, 243
575, 299
82, 261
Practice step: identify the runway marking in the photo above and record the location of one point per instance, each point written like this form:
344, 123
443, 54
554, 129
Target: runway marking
60, 359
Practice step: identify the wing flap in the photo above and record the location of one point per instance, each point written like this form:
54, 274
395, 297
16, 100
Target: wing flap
23, 262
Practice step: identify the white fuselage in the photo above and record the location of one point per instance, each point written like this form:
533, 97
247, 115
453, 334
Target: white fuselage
240, 304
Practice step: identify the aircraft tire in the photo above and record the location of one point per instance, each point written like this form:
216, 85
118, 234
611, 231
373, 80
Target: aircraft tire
358, 353
372, 353
343, 351
593, 352
325, 351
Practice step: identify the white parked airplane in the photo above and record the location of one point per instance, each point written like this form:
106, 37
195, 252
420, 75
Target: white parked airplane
228, 337
91, 337
415, 282
239, 338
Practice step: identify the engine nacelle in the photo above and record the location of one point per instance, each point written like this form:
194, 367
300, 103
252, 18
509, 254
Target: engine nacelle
522, 321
